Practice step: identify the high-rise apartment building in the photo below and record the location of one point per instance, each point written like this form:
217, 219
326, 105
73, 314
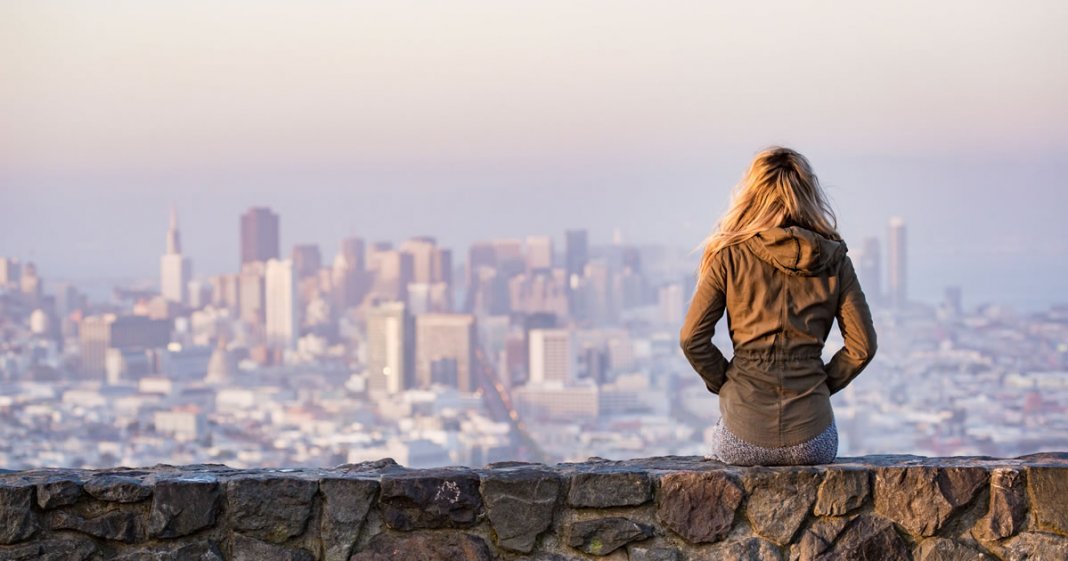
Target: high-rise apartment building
98, 334
539, 252
307, 260
175, 270
259, 235
869, 269
354, 251
576, 248
551, 355
250, 293
280, 299
445, 345
897, 293
389, 348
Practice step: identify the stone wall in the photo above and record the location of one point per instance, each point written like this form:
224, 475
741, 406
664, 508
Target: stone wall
654, 509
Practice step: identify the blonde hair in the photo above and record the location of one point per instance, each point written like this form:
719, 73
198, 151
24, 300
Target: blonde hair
779, 189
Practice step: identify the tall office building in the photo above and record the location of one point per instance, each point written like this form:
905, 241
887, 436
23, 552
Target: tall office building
259, 235
898, 293
577, 249
551, 355
421, 248
99, 334
445, 350
354, 251
10, 271
250, 293
539, 252
175, 270
869, 270
307, 260
509, 257
393, 274
389, 348
280, 299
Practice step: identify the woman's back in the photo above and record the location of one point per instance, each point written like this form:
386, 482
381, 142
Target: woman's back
782, 287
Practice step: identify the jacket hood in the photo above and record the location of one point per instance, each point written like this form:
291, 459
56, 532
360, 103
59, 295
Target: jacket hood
797, 251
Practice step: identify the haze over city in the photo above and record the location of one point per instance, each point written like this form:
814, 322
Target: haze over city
475, 120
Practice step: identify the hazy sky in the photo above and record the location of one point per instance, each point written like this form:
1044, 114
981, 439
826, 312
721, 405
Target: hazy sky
469, 120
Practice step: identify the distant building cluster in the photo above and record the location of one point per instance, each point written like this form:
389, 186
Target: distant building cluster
525, 349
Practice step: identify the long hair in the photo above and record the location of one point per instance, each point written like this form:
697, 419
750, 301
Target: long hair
779, 189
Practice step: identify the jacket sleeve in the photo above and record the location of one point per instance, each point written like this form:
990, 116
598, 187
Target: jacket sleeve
854, 321
706, 308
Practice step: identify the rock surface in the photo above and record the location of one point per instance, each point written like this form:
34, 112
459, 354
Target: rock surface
270, 509
183, 506
346, 502
430, 499
886, 508
922, 499
520, 505
18, 521
842, 492
700, 507
608, 488
779, 501
118, 488
426, 547
602, 536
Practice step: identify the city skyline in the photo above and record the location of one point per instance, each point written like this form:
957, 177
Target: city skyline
478, 121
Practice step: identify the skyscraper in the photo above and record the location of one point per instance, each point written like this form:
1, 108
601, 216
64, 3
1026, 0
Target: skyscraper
577, 251
259, 235
389, 347
175, 270
280, 299
539, 252
307, 260
869, 269
897, 258
447, 340
552, 356
354, 250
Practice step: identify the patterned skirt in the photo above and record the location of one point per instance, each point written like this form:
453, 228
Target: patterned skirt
729, 449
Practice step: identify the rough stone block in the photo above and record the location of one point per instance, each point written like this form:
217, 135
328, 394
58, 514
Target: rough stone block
118, 488
923, 498
605, 535
842, 492
1033, 546
55, 493
17, 519
116, 525
1008, 505
941, 549
749, 549
61, 549
779, 501
520, 505
817, 538
1049, 497
437, 546
699, 506
202, 551
868, 537
272, 509
346, 502
430, 499
642, 553
182, 506
609, 487
250, 549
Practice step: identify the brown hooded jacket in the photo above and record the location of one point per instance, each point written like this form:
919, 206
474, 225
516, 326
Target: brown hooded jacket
781, 290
